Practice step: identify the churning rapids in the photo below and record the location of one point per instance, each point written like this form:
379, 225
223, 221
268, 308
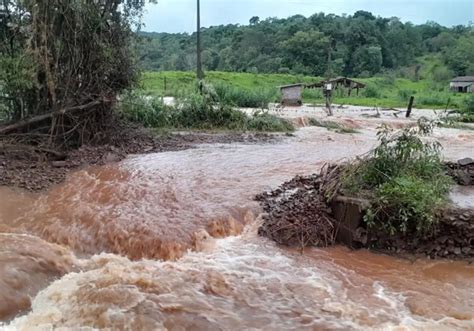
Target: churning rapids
168, 241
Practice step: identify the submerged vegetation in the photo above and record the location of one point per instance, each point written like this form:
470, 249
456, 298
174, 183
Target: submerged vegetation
404, 178
198, 111
337, 127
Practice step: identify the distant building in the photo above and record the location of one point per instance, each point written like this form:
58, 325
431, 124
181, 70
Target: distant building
462, 84
335, 83
291, 95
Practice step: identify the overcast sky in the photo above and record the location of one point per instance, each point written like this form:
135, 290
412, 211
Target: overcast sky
180, 15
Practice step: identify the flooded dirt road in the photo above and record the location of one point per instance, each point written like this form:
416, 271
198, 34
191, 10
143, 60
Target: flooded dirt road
168, 241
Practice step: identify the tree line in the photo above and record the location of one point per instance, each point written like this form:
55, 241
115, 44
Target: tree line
321, 45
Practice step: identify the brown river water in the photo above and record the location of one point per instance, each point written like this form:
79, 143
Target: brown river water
168, 241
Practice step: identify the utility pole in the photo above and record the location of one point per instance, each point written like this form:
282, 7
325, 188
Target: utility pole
200, 74
328, 86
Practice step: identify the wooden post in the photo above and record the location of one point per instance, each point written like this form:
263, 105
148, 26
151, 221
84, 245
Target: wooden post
328, 102
410, 105
165, 83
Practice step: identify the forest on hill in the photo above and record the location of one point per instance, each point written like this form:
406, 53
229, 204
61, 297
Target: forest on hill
358, 45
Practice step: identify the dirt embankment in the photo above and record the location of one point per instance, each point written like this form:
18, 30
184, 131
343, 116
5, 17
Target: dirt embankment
297, 215
35, 170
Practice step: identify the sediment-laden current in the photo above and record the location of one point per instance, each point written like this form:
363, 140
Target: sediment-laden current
168, 241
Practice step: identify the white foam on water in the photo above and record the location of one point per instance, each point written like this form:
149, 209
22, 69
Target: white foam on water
241, 284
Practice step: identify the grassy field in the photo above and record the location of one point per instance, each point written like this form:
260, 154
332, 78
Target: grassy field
380, 91
154, 82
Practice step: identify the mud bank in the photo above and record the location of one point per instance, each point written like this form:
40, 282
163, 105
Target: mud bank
35, 172
294, 203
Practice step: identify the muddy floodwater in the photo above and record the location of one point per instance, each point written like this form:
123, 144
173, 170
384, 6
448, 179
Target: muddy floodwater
169, 241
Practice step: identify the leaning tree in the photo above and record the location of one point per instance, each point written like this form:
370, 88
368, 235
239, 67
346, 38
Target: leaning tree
62, 65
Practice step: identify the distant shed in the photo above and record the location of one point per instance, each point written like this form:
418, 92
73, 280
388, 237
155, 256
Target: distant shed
291, 95
335, 83
462, 84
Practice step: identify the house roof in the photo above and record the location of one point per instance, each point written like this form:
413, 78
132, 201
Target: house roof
463, 79
347, 82
461, 84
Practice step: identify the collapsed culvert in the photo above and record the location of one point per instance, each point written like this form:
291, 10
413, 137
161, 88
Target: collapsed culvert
312, 211
394, 198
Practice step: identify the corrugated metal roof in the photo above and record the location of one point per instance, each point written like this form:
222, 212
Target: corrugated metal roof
461, 84
463, 79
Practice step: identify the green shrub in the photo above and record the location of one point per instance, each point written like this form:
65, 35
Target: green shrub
405, 179
405, 94
197, 111
388, 78
442, 74
151, 112
371, 91
407, 204
312, 94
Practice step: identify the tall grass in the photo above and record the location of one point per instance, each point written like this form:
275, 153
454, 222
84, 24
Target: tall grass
241, 97
196, 111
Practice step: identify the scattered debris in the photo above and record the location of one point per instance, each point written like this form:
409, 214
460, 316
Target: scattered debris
297, 214
462, 171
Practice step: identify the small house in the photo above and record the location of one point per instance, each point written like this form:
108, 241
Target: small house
462, 84
291, 95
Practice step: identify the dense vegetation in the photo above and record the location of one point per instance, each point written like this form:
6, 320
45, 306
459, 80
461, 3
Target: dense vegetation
360, 45
203, 111
62, 64
404, 178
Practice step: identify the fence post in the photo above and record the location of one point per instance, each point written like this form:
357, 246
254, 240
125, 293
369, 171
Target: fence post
410, 105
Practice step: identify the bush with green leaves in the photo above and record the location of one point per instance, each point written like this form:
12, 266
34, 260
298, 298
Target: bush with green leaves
405, 94
404, 178
150, 112
200, 112
197, 111
371, 91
